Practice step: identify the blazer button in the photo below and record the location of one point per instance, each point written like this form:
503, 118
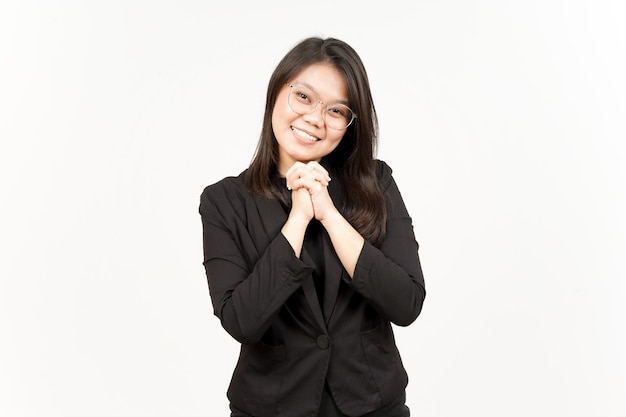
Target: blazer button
323, 342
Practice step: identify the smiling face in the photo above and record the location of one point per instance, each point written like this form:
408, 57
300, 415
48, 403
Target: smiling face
306, 137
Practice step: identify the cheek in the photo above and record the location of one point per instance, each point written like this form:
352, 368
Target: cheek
278, 119
281, 111
336, 138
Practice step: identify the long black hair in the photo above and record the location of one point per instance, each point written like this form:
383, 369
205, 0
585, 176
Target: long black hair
352, 162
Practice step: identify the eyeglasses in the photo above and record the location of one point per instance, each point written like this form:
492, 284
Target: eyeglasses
304, 101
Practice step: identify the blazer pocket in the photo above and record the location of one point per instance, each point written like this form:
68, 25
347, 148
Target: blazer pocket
379, 337
381, 354
261, 370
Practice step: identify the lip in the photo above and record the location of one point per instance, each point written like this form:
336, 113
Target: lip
304, 139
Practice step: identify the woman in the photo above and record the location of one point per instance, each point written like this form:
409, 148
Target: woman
309, 273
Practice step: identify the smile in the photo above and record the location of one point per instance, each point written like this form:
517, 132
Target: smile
304, 135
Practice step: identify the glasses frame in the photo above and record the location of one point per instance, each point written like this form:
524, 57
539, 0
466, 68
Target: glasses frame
317, 103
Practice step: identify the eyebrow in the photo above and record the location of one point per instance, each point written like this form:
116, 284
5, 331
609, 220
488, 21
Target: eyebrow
304, 83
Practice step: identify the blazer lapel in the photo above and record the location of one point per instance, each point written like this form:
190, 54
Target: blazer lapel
273, 217
333, 271
308, 286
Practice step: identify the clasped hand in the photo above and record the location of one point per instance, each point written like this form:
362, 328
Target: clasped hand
309, 193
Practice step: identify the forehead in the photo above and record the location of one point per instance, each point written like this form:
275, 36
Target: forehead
325, 80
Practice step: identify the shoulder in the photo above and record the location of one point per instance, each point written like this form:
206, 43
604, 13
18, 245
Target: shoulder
229, 191
383, 173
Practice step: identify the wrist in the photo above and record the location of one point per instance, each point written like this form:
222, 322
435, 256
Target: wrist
333, 217
294, 230
297, 221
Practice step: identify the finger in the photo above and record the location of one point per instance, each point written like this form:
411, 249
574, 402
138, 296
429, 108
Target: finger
320, 170
291, 174
311, 184
321, 177
293, 168
297, 172
308, 179
311, 170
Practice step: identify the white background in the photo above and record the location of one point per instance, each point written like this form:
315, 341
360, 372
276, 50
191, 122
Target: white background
503, 121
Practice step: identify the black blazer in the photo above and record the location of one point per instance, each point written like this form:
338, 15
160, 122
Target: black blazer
266, 299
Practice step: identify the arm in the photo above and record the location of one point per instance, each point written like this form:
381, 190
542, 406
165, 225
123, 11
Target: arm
300, 215
390, 278
247, 287
309, 182
348, 243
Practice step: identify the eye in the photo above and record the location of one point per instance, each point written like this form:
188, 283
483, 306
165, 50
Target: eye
302, 95
338, 112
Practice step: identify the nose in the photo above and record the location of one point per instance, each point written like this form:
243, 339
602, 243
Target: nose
316, 117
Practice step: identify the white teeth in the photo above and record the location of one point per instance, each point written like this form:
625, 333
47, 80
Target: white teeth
304, 135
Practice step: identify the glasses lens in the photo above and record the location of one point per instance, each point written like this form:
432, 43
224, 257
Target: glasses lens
338, 116
304, 101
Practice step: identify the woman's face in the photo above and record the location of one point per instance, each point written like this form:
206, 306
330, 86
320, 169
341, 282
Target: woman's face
306, 137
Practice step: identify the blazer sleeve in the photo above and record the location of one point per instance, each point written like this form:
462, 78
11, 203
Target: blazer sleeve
248, 284
390, 277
